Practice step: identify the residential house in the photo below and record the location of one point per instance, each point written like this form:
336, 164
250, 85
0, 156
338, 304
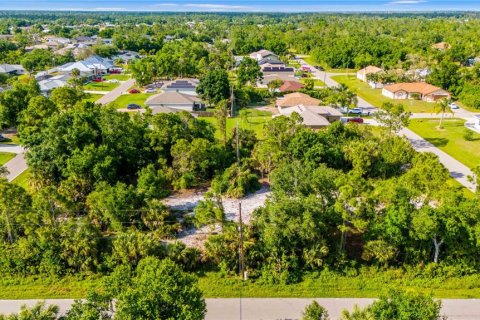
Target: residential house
295, 99
262, 54
175, 100
168, 38
187, 86
47, 85
126, 56
58, 41
314, 117
95, 65
363, 73
12, 69
415, 90
77, 49
275, 76
37, 46
291, 86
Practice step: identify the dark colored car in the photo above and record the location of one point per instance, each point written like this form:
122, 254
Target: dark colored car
320, 68
356, 120
115, 71
133, 106
134, 91
2, 138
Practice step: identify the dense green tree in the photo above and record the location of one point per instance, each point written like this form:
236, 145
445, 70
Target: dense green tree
214, 86
249, 72
315, 311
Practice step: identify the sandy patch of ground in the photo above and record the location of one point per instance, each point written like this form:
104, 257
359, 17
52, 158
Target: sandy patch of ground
188, 201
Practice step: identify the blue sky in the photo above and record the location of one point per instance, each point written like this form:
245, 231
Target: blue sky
241, 5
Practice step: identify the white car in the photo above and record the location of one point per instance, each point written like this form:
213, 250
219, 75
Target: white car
454, 106
151, 90
355, 111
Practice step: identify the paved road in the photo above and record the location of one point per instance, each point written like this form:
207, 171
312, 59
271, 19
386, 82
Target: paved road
278, 308
458, 171
18, 164
117, 92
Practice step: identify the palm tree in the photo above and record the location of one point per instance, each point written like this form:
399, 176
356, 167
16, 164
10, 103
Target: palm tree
443, 106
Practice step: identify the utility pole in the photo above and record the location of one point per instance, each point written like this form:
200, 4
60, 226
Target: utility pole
232, 102
241, 262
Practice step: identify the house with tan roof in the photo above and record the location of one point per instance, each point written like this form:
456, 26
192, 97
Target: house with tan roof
290, 86
415, 90
363, 73
295, 99
175, 100
314, 117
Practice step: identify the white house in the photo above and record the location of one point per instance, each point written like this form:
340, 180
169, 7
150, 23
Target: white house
415, 90
175, 100
262, 54
93, 65
363, 73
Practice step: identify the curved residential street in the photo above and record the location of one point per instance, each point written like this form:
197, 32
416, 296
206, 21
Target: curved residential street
277, 308
457, 170
18, 164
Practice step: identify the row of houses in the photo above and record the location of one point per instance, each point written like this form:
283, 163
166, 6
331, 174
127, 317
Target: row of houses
405, 90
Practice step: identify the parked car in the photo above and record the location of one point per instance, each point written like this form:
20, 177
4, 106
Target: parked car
134, 91
97, 79
355, 111
356, 120
319, 68
453, 106
115, 71
2, 138
150, 90
133, 106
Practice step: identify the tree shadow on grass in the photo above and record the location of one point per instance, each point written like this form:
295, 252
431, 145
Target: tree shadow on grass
438, 142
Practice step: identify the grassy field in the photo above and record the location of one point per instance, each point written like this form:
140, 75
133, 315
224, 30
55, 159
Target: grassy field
100, 86
213, 285
137, 98
316, 82
450, 139
255, 121
22, 179
5, 157
92, 97
312, 62
375, 97
119, 77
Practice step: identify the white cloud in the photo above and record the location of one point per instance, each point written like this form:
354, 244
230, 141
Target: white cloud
407, 2
201, 7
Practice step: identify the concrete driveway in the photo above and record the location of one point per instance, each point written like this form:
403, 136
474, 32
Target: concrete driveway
117, 92
18, 164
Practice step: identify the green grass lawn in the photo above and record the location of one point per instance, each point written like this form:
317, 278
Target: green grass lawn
13, 140
312, 62
92, 97
137, 98
5, 157
450, 139
22, 179
119, 77
375, 97
100, 86
213, 285
316, 82
255, 121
